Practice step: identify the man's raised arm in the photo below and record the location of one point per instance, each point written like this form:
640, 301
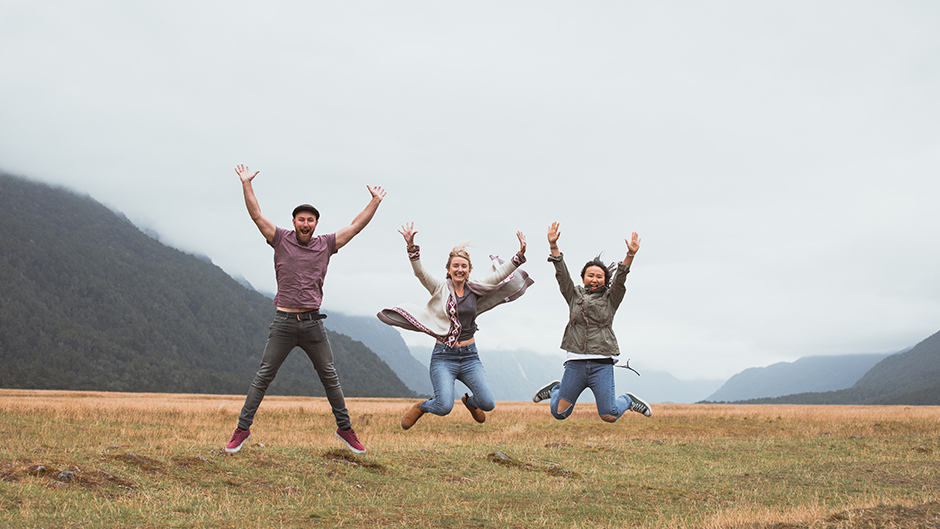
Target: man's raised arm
266, 226
344, 235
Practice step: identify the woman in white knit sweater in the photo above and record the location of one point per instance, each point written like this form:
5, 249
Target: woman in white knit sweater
450, 317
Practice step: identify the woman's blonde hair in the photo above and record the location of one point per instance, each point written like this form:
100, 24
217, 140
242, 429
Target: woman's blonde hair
459, 251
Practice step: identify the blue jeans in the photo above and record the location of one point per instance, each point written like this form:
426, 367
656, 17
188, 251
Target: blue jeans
285, 333
449, 364
597, 375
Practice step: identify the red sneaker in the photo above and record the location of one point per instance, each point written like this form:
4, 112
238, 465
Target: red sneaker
352, 442
238, 439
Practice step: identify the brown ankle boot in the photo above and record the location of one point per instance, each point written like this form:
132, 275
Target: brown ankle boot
477, 413
411, 416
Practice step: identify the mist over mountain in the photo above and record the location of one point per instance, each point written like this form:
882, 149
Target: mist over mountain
89, 302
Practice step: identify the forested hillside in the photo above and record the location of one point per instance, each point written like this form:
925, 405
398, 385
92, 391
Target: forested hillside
88, 301
388, 344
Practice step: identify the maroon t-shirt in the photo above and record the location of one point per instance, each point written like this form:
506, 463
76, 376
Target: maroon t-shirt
301, 268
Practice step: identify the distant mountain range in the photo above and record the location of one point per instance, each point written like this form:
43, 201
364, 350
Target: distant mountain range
910, 378
807, 374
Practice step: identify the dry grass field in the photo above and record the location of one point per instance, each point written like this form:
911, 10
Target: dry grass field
87, 459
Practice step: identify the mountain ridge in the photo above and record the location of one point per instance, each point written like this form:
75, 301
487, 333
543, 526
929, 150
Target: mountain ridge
908, 378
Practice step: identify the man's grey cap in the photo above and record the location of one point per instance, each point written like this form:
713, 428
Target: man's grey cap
306, 207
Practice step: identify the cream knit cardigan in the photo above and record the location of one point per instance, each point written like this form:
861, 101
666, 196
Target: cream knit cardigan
502, 283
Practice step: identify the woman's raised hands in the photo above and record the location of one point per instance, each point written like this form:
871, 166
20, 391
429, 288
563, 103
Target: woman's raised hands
408, 232
554, 233
633, 245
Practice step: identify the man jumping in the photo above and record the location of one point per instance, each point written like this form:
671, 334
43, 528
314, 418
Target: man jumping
300, 262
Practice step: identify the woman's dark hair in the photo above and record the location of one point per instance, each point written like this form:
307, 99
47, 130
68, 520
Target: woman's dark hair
600, 264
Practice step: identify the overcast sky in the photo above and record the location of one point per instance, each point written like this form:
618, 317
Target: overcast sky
780, 160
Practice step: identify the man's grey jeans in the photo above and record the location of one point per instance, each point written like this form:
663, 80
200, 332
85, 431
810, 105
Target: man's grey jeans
285, 333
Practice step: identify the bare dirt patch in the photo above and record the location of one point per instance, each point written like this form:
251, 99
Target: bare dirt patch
553, 470
61, 475
346, 457
923, 516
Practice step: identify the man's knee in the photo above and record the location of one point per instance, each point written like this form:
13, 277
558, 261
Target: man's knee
264, 376
609, 418
328, 376
563, 405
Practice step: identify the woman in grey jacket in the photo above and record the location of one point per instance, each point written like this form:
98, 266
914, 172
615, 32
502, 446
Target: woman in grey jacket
589, 336
450, 317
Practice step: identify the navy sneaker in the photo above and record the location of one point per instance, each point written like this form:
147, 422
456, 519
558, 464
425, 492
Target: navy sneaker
639, 405
545, 392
